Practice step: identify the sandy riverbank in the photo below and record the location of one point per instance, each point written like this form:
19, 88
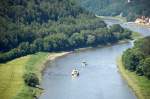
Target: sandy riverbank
51, 57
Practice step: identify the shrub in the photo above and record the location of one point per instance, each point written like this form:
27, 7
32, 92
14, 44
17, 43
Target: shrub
31, 79
146, 67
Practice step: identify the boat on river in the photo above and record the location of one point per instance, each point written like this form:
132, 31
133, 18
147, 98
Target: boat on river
84, 63
75, 73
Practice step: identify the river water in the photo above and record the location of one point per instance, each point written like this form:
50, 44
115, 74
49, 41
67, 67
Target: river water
100, 79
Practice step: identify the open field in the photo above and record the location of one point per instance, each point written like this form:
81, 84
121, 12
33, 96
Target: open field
11, 82
139, 84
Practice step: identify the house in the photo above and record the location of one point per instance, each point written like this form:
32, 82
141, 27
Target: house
143, 20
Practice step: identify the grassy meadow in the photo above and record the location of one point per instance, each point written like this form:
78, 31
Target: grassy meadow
11, 76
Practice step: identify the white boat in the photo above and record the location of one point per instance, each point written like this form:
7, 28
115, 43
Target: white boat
75, 73
84, 63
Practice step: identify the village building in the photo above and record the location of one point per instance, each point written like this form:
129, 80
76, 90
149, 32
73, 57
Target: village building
143, 20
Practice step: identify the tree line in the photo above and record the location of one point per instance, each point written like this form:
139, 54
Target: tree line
137, 59
28, 26
26, 20
62, 42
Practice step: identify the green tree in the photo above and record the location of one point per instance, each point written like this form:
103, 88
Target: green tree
24, 48
137, 58
39, 44
31, 79
132, 58
116, 28
77, 40
143, 45
90, 40
146, 67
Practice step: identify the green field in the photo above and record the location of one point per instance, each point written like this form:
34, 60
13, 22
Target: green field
11, 75
139, 84
11, 82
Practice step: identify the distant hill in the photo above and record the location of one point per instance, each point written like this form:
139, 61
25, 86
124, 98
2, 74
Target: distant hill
129, 8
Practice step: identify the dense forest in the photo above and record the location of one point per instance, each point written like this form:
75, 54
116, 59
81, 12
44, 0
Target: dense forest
127, 8
29, 26
138, 58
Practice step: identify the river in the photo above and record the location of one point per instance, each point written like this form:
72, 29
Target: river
100, 79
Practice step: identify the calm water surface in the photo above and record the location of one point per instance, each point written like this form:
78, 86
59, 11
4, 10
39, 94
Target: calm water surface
100, 79
145, 31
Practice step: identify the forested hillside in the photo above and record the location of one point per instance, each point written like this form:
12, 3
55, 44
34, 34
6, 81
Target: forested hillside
128, 8
29, 26
138, 58
22, 19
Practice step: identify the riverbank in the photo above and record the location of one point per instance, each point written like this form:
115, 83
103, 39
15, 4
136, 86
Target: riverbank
11, 80
107, 45
122, 19
12, 73
139, 84
140, 24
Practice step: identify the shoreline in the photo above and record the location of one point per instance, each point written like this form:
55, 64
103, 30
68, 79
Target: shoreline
140, 24
131, 83
35, 63
51, 57
43, 66
102, 46
121, 19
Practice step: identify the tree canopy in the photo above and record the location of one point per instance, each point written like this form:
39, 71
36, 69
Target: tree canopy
138, 58
29, 26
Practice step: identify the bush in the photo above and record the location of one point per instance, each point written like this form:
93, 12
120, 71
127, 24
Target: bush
31, 79
132, 58
116, 28
139, 71
146, 67
138, 58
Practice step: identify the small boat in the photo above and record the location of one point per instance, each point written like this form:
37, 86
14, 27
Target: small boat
84, 63
75, 73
